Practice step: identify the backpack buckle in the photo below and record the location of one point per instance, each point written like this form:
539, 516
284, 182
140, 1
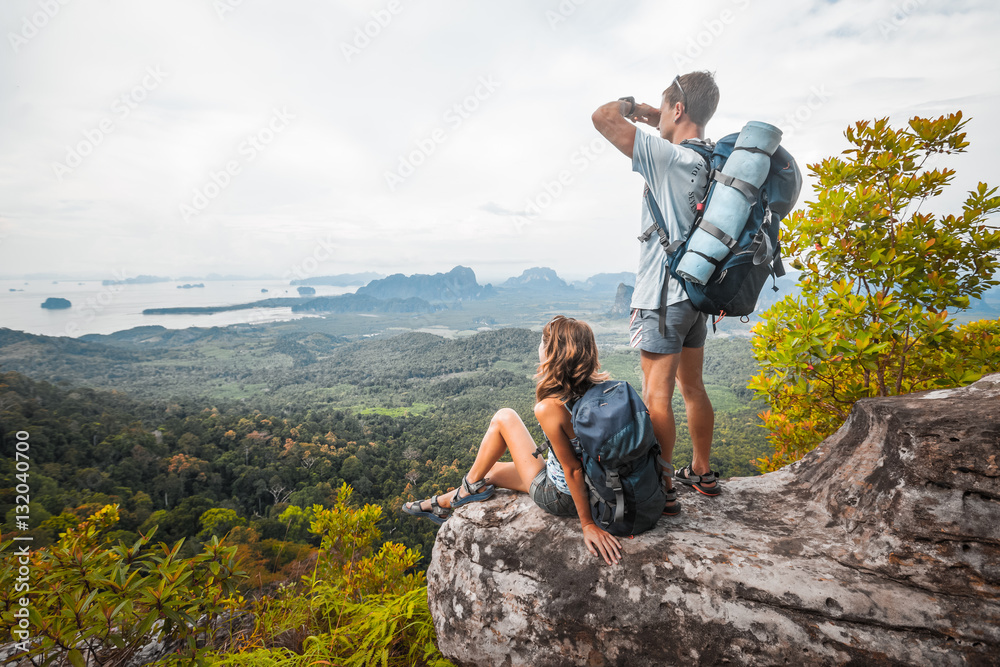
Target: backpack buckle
539, 451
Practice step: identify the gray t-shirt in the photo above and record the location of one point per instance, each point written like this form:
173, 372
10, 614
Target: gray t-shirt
677, 177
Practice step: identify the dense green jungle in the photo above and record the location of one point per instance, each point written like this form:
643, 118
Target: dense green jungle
252, 419
295, 443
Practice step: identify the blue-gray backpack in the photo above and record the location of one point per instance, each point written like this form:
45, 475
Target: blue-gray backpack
621, 458
737, 279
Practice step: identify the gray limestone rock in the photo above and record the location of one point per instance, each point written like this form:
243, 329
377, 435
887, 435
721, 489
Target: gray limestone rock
623, 301
880, 547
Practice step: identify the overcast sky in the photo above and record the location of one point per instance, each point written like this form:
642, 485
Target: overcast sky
259, 137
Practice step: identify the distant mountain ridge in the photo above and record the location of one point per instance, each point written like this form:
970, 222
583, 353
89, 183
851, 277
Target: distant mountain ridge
341, 279
606, 281
138, 280
459, 284
537, 278
361, 303
623, 301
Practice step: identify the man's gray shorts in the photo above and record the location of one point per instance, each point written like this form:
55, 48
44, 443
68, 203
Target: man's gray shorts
686, 327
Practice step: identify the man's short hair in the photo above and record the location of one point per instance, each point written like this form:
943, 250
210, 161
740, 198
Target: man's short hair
700, 96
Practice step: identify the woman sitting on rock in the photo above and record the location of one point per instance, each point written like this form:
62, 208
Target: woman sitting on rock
567, 367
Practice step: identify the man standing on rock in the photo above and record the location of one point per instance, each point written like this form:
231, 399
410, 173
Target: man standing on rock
668, 331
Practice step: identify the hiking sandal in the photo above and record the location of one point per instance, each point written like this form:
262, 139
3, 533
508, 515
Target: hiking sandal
697, 482
473, 492
671, 507
437, 514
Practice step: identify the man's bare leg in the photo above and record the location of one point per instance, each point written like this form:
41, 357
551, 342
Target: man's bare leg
660, 372
658, 376
700, 414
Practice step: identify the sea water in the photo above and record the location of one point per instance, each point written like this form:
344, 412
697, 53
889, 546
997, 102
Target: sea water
104, 309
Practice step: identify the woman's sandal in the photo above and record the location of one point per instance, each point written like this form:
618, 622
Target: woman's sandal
687, 476
473, 492
437, 514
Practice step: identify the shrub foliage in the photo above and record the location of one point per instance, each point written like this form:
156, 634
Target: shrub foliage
881, 277
97, 603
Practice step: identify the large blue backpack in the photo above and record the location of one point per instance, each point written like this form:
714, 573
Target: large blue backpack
621, 458
738, 279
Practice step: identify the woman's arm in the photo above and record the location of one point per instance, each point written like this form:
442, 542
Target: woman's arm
555, 421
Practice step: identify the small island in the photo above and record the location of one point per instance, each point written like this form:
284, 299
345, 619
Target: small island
211, 310
190, 286
305, 291
56, 303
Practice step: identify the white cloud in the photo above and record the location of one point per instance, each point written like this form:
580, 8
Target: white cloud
813, 67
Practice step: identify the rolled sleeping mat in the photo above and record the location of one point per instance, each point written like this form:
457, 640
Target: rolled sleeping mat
729, 207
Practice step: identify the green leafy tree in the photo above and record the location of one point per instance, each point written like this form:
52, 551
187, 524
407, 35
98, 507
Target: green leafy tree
218, 521
359, 606
97, 603
297, 522
881, 275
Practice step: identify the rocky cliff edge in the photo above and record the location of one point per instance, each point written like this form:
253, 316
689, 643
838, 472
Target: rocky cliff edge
880, 547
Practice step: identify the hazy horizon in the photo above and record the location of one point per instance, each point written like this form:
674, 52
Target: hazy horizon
321, 138
480, 278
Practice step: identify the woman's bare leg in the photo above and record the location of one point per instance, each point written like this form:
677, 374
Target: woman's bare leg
506, 433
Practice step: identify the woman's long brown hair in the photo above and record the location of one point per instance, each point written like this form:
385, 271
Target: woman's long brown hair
570, 366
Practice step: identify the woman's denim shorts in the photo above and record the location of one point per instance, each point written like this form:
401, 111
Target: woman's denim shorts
545, 494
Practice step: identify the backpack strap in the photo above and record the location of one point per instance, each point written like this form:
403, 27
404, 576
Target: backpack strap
615, 484
658, 227
664, 466
748, 189
546, 446
728, 240
704, 149
610, 516
541, 449
662, 314
751, 149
